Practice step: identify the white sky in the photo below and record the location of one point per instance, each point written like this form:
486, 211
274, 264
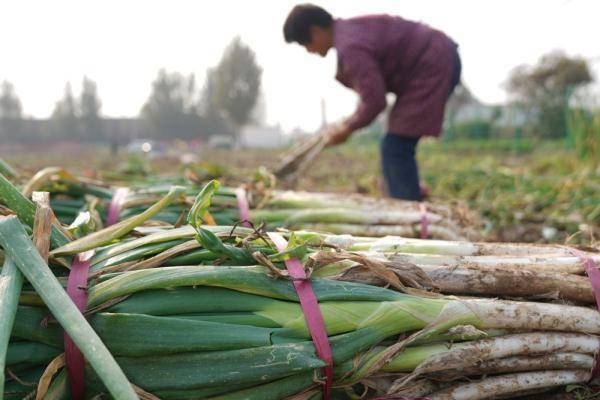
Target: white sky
122, 44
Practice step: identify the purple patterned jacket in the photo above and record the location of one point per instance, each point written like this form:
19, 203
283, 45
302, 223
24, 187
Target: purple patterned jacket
379, 54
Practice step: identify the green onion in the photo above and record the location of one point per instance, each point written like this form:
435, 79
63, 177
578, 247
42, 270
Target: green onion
19, 248
117, 230
10, 288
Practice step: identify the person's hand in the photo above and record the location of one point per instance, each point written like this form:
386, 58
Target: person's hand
337, 134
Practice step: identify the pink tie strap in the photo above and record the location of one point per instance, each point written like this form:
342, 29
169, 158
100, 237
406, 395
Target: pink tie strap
424, 221
115, 206
311, 310
593, 274
77, 291
243, 207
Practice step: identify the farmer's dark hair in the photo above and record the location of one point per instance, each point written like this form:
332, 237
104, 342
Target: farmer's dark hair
301, 18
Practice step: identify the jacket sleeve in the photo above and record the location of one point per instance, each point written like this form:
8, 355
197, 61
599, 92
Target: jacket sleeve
364, 76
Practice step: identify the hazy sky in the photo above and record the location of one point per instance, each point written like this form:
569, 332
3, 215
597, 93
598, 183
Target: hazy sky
122, 44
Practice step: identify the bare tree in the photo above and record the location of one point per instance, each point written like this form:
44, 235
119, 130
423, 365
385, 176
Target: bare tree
214, 117
10, 105
236, 83
172, 108
10, 113
65, 116
89, 111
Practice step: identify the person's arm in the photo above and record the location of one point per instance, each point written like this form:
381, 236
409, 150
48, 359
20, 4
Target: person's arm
364, 76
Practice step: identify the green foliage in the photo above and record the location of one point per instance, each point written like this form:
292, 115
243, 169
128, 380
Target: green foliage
210, 241
520, 186
296, 248
582, 392
520, 194
494, 145
202, 204
83, 225
135, 165
475, 129
234, 255
203, 171
584, 126
120, 229
367, 136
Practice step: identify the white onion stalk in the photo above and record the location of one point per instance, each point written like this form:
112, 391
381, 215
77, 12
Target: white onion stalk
466, 279
511, 283
351, 216
442, 379
503, 385
495, 314
537, 262
378, 230
394, 244
463, 356
553, 361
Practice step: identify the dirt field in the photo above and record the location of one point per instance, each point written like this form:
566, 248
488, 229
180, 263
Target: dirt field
531, 193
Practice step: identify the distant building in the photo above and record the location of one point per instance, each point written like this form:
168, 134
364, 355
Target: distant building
297, 135
221, 141
261, 137
30, 130
463, 107
127, 128
25, 130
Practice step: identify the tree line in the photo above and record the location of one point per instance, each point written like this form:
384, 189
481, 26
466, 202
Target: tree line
541, 102
176, 107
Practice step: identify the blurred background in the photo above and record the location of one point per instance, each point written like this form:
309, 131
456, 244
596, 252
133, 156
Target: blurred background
141, 86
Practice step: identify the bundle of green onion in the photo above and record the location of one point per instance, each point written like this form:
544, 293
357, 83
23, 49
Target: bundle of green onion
207, 312
333, 213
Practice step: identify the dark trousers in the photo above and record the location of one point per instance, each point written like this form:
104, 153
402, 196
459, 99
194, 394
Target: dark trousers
398, 161
400, 167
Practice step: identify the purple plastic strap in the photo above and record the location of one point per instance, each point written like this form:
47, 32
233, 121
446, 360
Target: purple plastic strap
592, 272
243, 206
594, 276
115, 206
311, 310
424, 221
394, 397
77, 291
